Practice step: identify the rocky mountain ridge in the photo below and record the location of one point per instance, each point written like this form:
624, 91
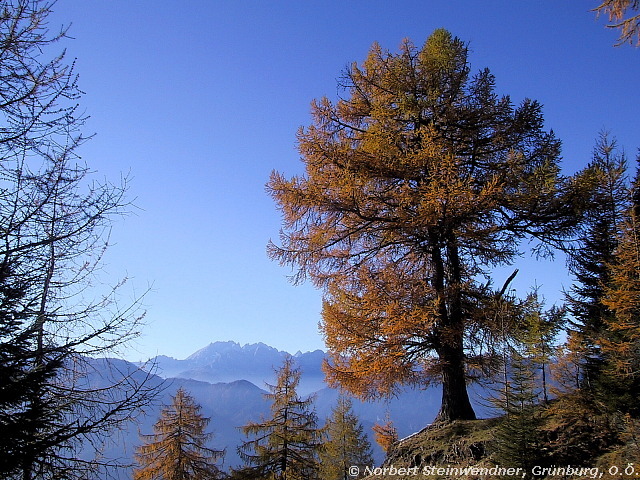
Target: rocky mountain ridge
229, 361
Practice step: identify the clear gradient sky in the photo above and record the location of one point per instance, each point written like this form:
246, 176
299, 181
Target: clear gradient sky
199, 100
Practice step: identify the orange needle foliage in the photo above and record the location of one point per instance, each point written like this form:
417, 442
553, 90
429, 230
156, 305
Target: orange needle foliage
623, 15
386, 434
177, 448
621, 344
416, 184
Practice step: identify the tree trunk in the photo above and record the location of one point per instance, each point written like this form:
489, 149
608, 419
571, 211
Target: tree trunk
455, 398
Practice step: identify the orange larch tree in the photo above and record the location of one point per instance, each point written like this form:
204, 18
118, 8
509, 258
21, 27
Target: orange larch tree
177, 449
620, 342
385, 434
418, 183
284, 446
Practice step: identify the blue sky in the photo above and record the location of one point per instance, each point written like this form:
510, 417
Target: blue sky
199, 100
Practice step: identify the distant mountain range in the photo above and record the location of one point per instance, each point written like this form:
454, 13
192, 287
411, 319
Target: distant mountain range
228, 381
228, 361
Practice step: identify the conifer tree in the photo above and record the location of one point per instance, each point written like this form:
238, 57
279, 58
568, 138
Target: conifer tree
620, 345
284, 446
345, 443
23, 411
597, 367
568, 370
536, 336
418, 182
386, 434
177, 449
591, 262
522, 384
518, 436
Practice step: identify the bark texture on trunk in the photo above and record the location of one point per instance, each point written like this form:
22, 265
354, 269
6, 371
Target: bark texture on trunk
455, 398
447, 281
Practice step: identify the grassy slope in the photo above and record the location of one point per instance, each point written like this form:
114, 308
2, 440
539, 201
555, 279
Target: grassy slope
471, 443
